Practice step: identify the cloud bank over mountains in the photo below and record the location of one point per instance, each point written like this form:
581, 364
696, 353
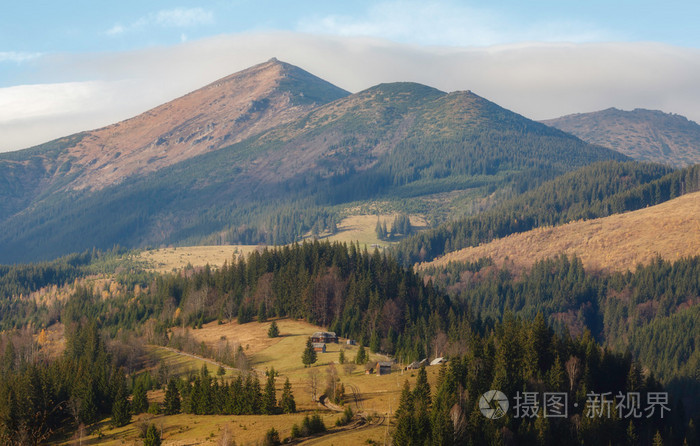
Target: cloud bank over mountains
538, 80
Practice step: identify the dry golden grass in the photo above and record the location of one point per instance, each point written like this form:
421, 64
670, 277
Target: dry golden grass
361, 228
615, 243
355, 228
184, 429
168, 259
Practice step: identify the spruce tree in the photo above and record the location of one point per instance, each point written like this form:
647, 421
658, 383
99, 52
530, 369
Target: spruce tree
139, 402
269, 396
421, 393
309, 356
121, 414
404, 432
287, 402
361, 357
171, 405
152, 436
273, 331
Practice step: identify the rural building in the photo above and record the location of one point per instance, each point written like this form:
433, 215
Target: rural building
319, 347
416, 364
351, 342
438, 361
325, 337
383, 368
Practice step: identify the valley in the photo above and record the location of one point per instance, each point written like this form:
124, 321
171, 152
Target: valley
161, 278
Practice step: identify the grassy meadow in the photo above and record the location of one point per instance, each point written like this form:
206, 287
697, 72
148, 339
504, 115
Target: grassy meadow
377, 399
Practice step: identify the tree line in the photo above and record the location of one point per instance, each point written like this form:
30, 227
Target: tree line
598, 190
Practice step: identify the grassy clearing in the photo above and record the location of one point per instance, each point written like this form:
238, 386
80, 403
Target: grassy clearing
355, 228
379, 395
180, 364
361, 228
615, 243
169, 259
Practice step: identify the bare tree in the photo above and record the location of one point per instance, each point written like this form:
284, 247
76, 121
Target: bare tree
439, 344
226, 438
313, 383
331, 380
573, 369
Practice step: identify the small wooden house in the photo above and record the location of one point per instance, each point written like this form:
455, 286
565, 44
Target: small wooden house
351, 342
384, 368
319, 347
325, 337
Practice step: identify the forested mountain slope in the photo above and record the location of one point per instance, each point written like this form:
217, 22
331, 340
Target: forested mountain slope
398, 141
595, 191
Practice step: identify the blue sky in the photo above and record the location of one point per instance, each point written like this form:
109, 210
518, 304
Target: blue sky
60, 59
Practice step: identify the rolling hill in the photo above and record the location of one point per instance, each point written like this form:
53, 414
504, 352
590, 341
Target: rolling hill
644, 135
615, 243
394, 141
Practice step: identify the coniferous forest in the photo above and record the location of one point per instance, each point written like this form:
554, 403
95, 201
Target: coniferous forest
555, 329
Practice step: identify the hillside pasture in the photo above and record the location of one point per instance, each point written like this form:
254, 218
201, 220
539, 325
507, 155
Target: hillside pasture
616, 243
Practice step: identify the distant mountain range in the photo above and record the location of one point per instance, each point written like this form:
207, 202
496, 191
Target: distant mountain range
644, 135
265, 156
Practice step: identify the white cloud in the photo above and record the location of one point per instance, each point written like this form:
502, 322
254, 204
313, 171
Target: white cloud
115, 30
539, 81
167, 18
448, 23
18, 56
184, 18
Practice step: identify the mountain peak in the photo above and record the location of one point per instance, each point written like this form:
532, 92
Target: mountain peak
220, 114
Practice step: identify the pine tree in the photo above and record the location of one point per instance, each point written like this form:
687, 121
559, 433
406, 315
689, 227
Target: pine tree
171, 405
152, 436
658, 439
121, 414
272, 438
139, 402
309, 356
273, 331
269, 396
404, 432
361, 357
421, 392
287, 402
556, 376
341, 356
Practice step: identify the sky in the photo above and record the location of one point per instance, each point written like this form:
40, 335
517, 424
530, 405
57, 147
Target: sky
76, 65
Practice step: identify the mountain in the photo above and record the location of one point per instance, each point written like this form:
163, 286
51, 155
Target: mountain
391, 142
615, 243
644, 135
217, 115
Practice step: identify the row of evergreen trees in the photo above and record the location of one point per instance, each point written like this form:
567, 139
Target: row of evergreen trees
401, 227
205, 395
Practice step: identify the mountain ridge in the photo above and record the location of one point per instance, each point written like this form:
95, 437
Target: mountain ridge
644, 135
221, 113
393, 141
